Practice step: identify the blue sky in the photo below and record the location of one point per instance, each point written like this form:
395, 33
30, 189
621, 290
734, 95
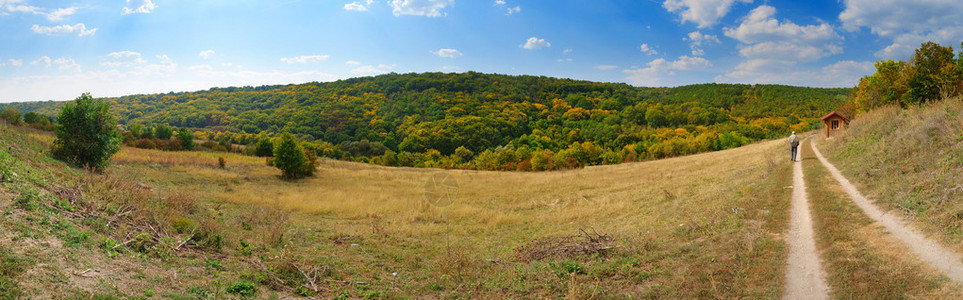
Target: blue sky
55, 50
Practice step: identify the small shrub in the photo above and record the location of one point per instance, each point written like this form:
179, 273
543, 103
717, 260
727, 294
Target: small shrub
221, 162
109, 246
568, 267
243, 288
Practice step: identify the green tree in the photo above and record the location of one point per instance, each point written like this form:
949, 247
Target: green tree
163, 132
289, 156
12, 116
463, 154
87, 133
928, 63
264, 147
31, 118
186, 138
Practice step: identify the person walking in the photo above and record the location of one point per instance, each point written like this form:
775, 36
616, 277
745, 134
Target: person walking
793, 144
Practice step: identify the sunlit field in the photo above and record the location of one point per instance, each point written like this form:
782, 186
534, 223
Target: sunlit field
706, 224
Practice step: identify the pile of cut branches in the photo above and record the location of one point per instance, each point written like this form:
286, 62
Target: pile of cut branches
566, 246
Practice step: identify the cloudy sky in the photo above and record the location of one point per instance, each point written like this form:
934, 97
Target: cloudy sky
59, 49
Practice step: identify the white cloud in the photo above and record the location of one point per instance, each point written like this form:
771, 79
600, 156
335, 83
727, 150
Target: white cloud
369, 70
56, 15
705, 13
59, 14
352, 63
605, 67
566, 51
148, 78
760, 26
139, 7
654, 73
427, 8
17, 6
645, 49
45, 60
906, 23
449, 53
206, 54
357, 6
696, 38
564, 60
535, 43
698, 52
511, 10
764, 37
164, 59
15, 62
840, 74
123, 58
67, 64
78, 28
305, 59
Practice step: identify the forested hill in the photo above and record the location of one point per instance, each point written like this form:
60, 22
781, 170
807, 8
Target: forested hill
415, 113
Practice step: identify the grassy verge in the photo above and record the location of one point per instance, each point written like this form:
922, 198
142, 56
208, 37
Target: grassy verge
911, 161
860, 258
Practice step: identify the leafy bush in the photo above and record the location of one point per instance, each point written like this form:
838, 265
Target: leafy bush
87, 134
163, 132
243, 288
186, 138
264, 147
11, 115
31, 118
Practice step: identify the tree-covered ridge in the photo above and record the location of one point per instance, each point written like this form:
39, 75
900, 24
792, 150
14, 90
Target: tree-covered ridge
432, 115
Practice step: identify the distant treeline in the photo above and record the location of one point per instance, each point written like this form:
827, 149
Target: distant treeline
483, 121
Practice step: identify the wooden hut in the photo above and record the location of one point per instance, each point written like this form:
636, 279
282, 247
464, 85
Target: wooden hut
834, 122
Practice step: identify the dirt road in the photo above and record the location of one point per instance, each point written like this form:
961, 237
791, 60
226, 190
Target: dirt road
804, 276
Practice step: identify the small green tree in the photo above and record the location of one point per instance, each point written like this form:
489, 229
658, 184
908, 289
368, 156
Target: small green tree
289, 156
186, 138
87, 133
264, 147
31, 118
163, 132
11, 115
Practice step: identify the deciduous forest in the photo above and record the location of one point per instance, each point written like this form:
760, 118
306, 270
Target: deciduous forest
473, 120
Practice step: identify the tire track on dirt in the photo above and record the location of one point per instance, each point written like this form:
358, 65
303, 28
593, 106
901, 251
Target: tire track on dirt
938, 257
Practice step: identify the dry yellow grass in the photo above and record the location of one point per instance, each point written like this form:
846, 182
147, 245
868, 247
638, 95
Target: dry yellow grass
137, 155
700, 225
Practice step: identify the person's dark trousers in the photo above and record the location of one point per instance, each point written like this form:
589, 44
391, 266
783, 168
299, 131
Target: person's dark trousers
793, 150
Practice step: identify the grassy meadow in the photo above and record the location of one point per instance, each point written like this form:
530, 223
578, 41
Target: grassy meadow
706, 225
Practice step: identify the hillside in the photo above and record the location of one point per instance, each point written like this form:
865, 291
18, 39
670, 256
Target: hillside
910, 161
175, 225
504, 122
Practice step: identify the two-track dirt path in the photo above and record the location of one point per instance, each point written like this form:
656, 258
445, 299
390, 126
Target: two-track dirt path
938, 257
804, 276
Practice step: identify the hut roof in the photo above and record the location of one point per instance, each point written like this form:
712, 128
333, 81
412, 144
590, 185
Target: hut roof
834, 113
